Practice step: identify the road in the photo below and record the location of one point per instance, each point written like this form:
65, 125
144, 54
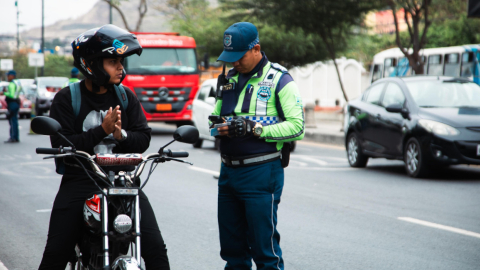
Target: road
331, 216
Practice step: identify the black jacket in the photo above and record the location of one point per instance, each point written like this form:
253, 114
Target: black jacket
85, 130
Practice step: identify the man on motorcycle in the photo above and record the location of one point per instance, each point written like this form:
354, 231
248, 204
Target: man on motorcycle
101, 125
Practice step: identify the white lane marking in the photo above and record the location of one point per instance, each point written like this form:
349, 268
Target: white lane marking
2, 266
204, 170
439, 226
319, 162
44, 210
324, 168
322, 145
301, 164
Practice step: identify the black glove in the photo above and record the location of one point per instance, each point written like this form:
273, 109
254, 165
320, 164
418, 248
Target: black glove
240, 127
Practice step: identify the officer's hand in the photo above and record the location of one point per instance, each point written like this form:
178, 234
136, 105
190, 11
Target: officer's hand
239, 127
110, 119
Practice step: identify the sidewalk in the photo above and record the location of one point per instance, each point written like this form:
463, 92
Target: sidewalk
327, 128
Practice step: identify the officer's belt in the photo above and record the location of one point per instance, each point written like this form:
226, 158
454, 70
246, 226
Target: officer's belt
264, 120
249, 160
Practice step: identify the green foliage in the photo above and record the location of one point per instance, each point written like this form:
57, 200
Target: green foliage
55, 65
206, 25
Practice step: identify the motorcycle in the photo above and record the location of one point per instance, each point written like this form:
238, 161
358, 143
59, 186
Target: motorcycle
112, 215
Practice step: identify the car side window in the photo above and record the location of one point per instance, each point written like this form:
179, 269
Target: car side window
393, 95
204, 91
374, 94
212, 92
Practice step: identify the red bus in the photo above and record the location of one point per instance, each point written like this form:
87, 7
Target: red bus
166, 77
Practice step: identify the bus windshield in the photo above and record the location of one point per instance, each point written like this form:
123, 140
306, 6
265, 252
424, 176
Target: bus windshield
159, 61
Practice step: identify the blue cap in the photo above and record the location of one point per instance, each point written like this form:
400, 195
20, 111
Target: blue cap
237, 40
74, 71
12, 72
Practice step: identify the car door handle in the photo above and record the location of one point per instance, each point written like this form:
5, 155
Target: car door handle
378, 117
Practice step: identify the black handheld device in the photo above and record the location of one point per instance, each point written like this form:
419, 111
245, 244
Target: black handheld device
222, 80
216, 119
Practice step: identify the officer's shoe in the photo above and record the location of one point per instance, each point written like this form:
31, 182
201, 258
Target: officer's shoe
11, 141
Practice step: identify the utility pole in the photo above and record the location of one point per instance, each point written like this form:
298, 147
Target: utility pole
110, 7
18, 26
43, 37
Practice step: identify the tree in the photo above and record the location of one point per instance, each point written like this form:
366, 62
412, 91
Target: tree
416, 16
331, 20
142, 10
198, 19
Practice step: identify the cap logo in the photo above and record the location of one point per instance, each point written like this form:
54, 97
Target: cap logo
227, 40
117, 44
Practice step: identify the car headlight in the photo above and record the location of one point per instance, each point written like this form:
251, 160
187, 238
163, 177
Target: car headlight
438, 128
47, 94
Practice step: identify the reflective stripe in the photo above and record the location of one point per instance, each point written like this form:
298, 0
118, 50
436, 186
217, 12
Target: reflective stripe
261, 107
264, 120
254, 159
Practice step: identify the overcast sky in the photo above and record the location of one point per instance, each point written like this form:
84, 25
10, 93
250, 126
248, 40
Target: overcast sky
31, 12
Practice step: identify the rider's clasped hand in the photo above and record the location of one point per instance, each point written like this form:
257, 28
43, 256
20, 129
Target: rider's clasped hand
112, 120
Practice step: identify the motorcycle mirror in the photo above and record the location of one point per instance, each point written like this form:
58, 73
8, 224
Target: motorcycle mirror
186, 134
45, 125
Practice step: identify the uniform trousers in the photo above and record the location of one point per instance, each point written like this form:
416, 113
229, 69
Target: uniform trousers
13, 108
66, 226
248, 199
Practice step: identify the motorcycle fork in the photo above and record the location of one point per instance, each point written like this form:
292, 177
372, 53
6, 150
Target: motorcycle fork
104, 207
137, 229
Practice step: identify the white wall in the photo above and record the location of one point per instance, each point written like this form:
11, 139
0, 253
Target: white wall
319, 81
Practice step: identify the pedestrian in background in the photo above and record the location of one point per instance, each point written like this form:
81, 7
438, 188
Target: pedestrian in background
12, 97
74, 77
262, 103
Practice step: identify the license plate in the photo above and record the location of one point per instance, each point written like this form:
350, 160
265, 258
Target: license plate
478, 149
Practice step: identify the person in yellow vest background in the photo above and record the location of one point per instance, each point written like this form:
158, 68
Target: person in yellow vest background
13, 103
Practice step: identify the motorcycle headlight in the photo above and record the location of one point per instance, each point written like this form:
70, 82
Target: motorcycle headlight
438, 128
122, 223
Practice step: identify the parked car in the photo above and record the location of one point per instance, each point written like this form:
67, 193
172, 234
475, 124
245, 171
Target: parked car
429, 122
28, 88
203, 106
25, 104
46, 88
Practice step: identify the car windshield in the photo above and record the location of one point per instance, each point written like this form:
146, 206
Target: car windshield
162, 61
429, 94
51, 82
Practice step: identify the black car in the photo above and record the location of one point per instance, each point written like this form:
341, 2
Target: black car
429, 122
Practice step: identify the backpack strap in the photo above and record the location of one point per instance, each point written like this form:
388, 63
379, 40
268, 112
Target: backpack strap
122, 96
76, 97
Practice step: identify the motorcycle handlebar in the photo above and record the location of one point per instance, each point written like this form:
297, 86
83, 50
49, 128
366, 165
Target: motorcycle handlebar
176, 154
52, 151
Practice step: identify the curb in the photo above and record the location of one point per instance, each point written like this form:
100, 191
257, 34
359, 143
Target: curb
324, 138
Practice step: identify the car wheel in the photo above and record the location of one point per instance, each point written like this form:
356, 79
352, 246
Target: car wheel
198, 143
354, 152
415, 163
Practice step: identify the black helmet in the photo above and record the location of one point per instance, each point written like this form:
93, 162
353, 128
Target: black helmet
92, 46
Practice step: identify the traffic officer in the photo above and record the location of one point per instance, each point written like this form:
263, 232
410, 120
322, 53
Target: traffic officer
262, 107
12, 97
74, 74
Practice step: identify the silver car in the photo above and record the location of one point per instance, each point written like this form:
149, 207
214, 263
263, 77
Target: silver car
46, 88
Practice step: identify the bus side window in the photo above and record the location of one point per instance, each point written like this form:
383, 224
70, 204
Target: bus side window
435, 66
468, 64
452, 65
377, 72
404, 68
390, 64
424, 60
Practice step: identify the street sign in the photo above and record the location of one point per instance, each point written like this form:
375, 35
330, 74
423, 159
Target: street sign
6, 64
35, 60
